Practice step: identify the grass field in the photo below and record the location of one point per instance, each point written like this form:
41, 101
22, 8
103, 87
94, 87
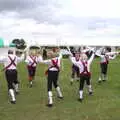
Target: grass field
31, 102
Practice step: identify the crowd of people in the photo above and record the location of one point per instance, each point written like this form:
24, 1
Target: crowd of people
80, 68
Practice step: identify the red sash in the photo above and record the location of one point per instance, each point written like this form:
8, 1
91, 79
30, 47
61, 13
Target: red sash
54, 64
11, 63
34, 61
107, 59
85, 70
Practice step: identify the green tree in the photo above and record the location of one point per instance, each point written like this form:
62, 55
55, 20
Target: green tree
20, 43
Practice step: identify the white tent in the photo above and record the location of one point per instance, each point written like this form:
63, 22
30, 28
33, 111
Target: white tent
77, 42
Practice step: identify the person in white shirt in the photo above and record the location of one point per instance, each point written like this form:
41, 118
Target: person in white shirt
76, 57
32, 60
85, 74
52, 75
75, 69
10, 63
105, 57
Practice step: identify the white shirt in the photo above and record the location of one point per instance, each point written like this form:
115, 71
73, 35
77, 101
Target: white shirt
30, 60
107, 56
74, 59
6, 61
50, 64
80, 64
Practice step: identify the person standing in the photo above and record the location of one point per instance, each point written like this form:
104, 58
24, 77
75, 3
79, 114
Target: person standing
75, 69
32, 60
85, 74
52, 75
104, 62
10, 68
44, 54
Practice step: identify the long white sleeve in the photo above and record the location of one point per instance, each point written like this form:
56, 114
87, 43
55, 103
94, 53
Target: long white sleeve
47, 61
112, 53
99, 54
74, 61
27, 60
60, 56
85, 50
91, 58
39, 59
112, 57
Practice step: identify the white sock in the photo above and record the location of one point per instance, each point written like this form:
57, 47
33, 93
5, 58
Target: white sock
99, 79
71, 80
11, 92
81, 94
59, 92
16, 87
31, 82
50, 97
105, 77
89, 88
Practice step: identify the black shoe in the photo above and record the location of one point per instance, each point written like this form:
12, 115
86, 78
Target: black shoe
80, 99
71, 83
90, 93
31, 86
60, 97
17, 93
49, 105
13, 102
104, 80
99, 81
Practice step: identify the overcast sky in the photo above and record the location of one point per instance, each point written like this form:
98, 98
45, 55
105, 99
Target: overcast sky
59, 20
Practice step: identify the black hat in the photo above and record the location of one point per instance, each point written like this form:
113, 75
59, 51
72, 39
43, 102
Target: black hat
10, 51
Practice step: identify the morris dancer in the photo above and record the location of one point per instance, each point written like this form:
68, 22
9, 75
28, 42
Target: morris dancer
10, 62
75, 69
85, 75
52, 75
32, 60
105, 57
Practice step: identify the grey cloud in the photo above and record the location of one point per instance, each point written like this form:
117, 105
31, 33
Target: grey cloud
39, 10
42, 15
48, 12
91, 23
9, 5
101, 23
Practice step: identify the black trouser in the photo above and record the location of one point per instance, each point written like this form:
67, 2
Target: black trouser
44, 56
75, 70
52, 79
11, 77
83, 79
104, 68
31, 71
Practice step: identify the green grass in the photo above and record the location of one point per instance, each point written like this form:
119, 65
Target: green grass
31, 103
